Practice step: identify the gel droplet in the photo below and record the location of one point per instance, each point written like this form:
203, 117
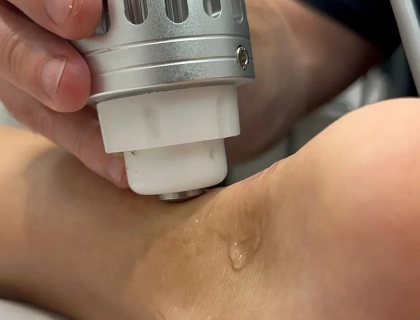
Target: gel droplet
257, 241
238, 255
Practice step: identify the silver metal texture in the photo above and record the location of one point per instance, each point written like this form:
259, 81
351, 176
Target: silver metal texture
181, 196
145, 46
242, 57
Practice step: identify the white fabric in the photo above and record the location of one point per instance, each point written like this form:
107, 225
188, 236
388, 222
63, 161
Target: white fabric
15, 311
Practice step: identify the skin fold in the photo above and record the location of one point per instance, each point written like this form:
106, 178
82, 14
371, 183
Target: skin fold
329, 233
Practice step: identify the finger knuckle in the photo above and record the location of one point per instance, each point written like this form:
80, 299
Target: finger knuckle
10, 54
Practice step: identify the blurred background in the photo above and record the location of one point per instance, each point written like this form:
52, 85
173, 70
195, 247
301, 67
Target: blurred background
390, 80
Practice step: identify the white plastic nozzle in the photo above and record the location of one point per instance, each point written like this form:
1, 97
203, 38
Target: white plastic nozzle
172, 140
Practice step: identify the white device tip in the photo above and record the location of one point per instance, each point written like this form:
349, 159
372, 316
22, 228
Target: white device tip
177, 168
172, 140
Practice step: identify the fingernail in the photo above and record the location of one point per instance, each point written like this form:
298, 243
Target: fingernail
51, 76
58, 10
115, 170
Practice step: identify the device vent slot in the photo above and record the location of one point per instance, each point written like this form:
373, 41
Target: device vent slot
177, 10
136, 11
237, 11
104, 24
213, 8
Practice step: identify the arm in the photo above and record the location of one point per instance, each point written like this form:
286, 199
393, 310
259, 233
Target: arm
331, 232
302, 59
74, 243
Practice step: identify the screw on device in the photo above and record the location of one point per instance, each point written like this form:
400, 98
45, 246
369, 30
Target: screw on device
242, 57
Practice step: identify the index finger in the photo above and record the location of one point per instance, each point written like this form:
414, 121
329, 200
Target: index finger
69, 19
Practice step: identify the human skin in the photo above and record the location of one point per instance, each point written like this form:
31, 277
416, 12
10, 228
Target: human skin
302, 59
329, 233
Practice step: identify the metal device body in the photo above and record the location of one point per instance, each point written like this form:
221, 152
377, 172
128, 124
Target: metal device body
408, 19
147, 46
155, 53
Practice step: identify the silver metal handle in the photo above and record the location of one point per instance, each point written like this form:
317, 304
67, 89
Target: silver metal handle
406, 14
